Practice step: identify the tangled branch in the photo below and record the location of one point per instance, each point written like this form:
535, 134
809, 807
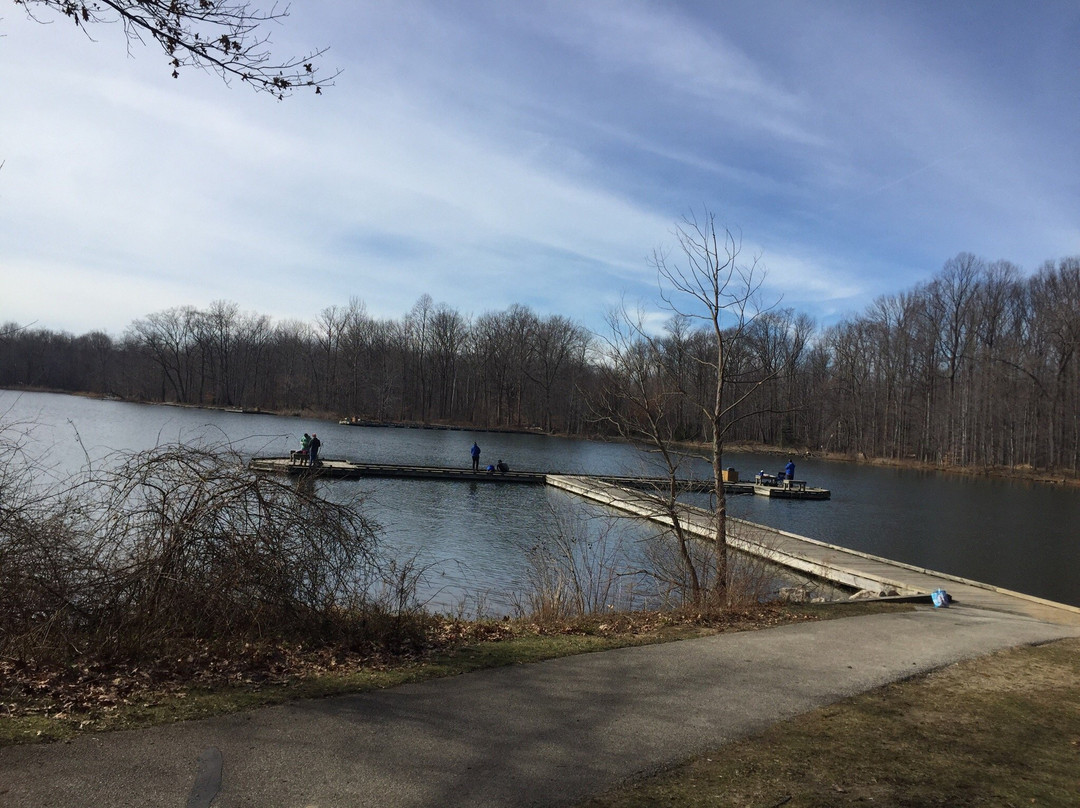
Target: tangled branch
226, 36
180, 543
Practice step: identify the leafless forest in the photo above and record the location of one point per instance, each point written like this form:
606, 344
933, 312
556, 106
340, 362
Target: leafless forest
978, 367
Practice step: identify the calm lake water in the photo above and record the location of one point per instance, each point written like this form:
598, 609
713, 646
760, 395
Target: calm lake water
1017, 535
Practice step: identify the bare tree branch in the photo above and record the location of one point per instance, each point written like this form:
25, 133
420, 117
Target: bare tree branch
227, 37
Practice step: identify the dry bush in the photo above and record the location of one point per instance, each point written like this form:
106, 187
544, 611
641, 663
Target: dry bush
40, 558
180, 544
752, 580
580, 567
586, 565
682, 568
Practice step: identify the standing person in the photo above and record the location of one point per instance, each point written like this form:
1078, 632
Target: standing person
313, 450
305, 447
475, 452
789, 469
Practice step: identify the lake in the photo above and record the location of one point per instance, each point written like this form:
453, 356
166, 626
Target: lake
1013, 534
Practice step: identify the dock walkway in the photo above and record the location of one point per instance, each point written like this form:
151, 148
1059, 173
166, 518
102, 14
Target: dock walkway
345, 470
849, 568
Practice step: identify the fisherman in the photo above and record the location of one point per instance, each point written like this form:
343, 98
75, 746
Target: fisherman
502, 467
789, 469
313, 451
475, 452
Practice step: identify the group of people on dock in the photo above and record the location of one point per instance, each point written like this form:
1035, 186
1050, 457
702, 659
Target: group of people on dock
308, 455
309, 450
474, 452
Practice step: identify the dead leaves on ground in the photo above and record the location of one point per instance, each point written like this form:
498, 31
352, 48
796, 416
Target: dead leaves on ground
87, 690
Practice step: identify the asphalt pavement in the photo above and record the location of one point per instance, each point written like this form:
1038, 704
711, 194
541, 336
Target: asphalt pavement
544, 734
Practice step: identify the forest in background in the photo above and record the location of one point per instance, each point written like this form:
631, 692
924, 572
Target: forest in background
978, 367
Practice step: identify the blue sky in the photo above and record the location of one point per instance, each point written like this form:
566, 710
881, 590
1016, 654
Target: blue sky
491, 153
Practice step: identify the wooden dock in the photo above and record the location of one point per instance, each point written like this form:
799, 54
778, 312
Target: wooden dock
848, 568
345, 470
790, 492
337, 469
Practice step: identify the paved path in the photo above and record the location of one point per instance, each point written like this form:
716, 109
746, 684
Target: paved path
544, 734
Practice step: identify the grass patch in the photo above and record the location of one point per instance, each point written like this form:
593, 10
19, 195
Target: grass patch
51, 704
1002, 730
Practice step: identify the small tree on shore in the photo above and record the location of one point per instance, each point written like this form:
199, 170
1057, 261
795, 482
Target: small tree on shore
712, 284
653, 378
639, 402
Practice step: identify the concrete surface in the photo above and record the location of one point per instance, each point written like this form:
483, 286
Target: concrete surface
545, 734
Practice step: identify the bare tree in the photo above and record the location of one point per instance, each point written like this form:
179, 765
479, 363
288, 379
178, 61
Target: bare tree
169, 337
640, 401
177, 543
712, 284
418, 336
448, 332
952, 296
558, 344
330, 327
228, 37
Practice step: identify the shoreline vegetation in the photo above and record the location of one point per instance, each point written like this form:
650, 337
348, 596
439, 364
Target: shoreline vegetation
1055, 477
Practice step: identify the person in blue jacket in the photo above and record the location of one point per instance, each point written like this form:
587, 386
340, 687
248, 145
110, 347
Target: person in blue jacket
475, 452
789, 470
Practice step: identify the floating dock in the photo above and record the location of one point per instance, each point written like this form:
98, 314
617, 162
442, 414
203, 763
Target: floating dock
346, 470
790, 491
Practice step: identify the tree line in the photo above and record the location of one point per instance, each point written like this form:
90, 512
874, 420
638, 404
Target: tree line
511, 368
980, 366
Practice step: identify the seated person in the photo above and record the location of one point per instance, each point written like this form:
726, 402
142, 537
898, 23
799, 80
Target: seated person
502, 467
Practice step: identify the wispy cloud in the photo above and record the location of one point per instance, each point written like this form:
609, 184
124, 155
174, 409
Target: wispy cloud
488, 154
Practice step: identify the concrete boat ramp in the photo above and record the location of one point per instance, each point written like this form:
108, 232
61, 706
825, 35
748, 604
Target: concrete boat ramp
815, 559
